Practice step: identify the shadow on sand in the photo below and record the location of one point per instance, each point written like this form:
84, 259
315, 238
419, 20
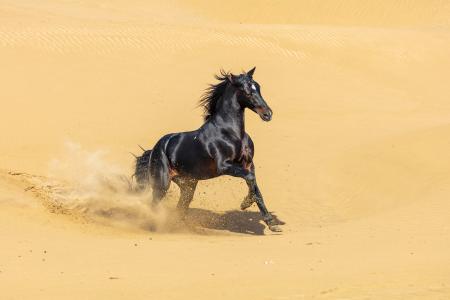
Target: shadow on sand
247, 222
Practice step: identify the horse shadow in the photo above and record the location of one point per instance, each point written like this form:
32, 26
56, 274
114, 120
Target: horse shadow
237, 221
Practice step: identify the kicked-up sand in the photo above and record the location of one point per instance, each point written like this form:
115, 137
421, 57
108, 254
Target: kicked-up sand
356, 161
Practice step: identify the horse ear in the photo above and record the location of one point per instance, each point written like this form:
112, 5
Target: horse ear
250, 73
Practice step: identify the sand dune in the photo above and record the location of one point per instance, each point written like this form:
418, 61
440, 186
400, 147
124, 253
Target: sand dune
355, 162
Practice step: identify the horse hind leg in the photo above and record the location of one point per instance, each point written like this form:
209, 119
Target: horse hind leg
187, 190
160, 177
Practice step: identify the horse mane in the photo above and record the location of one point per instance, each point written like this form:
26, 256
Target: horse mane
212, 95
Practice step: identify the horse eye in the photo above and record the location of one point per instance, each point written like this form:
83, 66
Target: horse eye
253, 87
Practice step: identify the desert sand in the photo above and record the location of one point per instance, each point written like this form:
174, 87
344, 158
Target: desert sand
356, 160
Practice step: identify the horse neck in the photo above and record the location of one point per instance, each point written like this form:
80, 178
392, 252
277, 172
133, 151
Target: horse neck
229, 112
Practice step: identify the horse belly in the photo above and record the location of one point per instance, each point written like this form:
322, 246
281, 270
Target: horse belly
197, 168
191, 160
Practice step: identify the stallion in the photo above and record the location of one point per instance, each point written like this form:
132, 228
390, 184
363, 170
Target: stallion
219, 147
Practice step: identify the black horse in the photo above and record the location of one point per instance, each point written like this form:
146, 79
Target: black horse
219, 147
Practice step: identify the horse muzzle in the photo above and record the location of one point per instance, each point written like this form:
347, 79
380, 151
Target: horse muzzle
264, 113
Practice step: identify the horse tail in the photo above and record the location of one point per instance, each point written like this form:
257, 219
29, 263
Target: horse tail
142, 169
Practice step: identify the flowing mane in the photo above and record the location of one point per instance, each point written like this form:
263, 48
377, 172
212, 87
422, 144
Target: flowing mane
212, 95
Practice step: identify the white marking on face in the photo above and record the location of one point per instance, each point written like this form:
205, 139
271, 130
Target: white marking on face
253, 87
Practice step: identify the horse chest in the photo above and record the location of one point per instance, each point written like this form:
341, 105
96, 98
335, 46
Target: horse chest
246, 156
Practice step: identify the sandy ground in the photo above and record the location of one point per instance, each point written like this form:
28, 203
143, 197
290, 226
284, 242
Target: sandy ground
356, 161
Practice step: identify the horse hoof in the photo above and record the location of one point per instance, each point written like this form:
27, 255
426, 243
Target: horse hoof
275, 228
246, 203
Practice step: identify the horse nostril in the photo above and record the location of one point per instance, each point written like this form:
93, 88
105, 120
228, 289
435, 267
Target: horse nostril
267, 115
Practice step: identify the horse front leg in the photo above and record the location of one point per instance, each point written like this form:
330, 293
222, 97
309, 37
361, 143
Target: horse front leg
252, 188
254, 193
256, 196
